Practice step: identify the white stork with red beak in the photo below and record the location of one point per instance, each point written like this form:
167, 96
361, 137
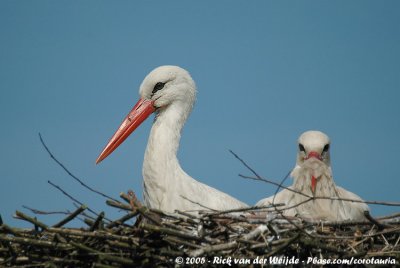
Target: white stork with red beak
312, 176
169, 92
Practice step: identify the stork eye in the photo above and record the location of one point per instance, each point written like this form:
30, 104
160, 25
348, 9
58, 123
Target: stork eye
158, 87
326, 148
301, 147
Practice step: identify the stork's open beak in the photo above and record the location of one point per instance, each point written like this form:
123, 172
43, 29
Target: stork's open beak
142, 109
316, 155
313, 154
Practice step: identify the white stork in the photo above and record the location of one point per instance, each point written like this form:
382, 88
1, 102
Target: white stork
170, 92
313, 177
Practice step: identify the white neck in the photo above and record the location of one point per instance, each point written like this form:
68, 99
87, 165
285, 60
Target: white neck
166, 186
161, 168
325, 187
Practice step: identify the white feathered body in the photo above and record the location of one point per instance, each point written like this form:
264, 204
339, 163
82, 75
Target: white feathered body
166, 186
317, 209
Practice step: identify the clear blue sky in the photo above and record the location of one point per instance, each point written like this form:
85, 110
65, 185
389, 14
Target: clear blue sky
266, 71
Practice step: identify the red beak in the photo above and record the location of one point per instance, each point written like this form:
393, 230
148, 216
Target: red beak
314, 154
313, 178
313, 183
142, 109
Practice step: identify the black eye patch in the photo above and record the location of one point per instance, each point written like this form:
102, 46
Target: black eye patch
301, 147
158, 86
326, 148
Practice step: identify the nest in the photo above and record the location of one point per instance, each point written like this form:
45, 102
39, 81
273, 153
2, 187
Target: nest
145, 237
212, 239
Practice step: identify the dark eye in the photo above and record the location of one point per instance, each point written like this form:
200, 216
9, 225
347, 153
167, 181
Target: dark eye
158, 87
301, 147
326, 148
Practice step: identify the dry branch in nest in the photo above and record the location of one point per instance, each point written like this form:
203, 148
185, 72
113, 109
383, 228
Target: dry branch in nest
210, 238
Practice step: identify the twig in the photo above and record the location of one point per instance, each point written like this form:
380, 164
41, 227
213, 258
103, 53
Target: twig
253, 209
213, 248
164, 230
371, 219
246, 165
74, 199
133, 201
34, 242
280, 186
259, 178
126, 197
393, 204
70, 173
71, 216
70, 197
21, 215
97, 224
197, 203
4, 228
395, 215
41, 212
103, 255
317, 244
122, 219
97, 234
180, 242
282, 247
118, 204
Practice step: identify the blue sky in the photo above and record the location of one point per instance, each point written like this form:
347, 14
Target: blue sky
266, 71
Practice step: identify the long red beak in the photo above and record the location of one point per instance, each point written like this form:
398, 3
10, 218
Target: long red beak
142, 109
313, 178
313, 183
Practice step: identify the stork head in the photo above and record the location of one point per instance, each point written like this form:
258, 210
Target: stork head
168, 84
313, 155
163, 87
313, 145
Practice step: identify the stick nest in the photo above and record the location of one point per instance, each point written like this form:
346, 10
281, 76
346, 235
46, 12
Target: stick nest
157, 239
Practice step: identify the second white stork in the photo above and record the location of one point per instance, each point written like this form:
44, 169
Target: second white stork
170, 92
313, 177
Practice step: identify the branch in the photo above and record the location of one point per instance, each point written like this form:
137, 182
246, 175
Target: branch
102, 255
196, 203
71, 216
35, 242
69, 172
137, 206
242, 209
169, 231
122, 220
393, 204
74, 199
374, 221
259, 178
22, 216
41, 212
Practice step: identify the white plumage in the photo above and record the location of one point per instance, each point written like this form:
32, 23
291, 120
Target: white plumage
170, 92
312, 176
